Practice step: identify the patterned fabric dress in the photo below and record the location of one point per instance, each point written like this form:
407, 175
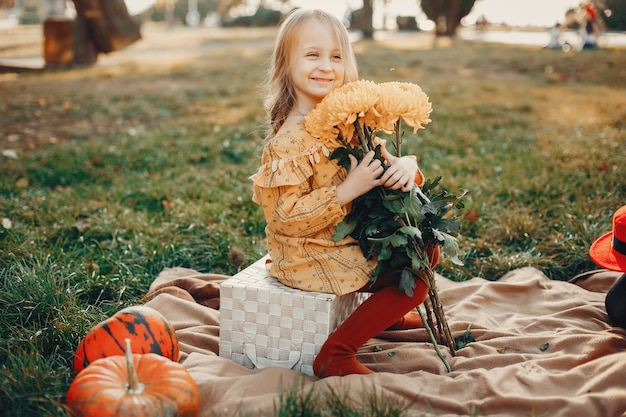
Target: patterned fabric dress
296, 186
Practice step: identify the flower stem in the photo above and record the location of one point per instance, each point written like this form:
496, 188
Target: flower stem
364, 142
444, 335
398, 138
433, 341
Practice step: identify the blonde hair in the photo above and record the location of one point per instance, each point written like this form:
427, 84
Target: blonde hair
280, 93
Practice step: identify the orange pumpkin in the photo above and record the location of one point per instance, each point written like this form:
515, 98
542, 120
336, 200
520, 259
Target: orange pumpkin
148, 330
139, 385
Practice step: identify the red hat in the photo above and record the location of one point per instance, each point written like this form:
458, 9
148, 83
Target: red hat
609, 251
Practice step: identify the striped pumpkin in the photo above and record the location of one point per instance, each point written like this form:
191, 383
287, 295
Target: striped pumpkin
148, 330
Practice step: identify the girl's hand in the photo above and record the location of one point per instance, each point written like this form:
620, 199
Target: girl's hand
362, 177
401, 172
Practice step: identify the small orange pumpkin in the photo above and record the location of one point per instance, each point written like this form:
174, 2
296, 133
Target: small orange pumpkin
139, 385
148, 330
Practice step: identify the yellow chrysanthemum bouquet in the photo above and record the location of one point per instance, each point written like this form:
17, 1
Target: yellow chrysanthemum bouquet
394, 226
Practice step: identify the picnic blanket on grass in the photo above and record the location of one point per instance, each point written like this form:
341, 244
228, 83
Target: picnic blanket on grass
542, 347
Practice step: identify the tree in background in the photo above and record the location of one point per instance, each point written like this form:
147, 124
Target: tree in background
361, 19
446, 14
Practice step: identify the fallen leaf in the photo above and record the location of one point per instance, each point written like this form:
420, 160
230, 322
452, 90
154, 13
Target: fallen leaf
472, 216
83, 225
92, 267
95, 161
22, 182
236, 256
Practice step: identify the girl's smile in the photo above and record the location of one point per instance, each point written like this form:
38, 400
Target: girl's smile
316, 65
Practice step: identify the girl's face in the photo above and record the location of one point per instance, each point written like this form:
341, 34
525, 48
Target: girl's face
316, 65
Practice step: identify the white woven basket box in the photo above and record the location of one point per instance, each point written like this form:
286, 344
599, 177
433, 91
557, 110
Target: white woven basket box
265, 323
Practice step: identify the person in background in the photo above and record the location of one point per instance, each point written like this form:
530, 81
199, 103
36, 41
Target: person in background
589, 29
555, 37
592, 17
304, 194
609, 252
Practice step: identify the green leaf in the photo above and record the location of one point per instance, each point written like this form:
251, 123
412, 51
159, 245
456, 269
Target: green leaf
431, 184
341, 155
461, 341
398, 240
343, 229
429, 209
411, 232
450, 247
384, 253
392, 198
419, 263
379, 155
371, 229
407, 282
414, 205
448, 225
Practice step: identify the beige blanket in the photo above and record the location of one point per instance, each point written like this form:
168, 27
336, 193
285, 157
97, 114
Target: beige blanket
542, 347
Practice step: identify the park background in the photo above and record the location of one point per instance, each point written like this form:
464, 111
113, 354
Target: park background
112, 171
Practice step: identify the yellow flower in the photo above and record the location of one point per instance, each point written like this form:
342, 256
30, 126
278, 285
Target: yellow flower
379, 106
404, 100
338, 111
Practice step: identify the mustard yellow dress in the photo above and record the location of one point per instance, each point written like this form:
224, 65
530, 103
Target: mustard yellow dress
296, 186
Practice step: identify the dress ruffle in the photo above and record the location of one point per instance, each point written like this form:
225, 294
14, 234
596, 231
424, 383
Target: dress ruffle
289, 160
290, 170
296, 186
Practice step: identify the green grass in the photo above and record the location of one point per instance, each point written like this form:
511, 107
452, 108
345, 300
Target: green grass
122, 171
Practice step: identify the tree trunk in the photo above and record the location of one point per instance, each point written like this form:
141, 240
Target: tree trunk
110, 26
446, 14
368, 13
67, 42
452, 16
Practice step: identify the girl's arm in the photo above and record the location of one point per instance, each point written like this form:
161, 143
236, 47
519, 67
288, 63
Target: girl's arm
298, 210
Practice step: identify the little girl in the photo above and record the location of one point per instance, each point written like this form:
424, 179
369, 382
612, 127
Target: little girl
304, 194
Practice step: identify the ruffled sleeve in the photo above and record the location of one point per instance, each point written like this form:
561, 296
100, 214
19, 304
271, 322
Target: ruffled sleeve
287, 165
291, 157
296, 184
